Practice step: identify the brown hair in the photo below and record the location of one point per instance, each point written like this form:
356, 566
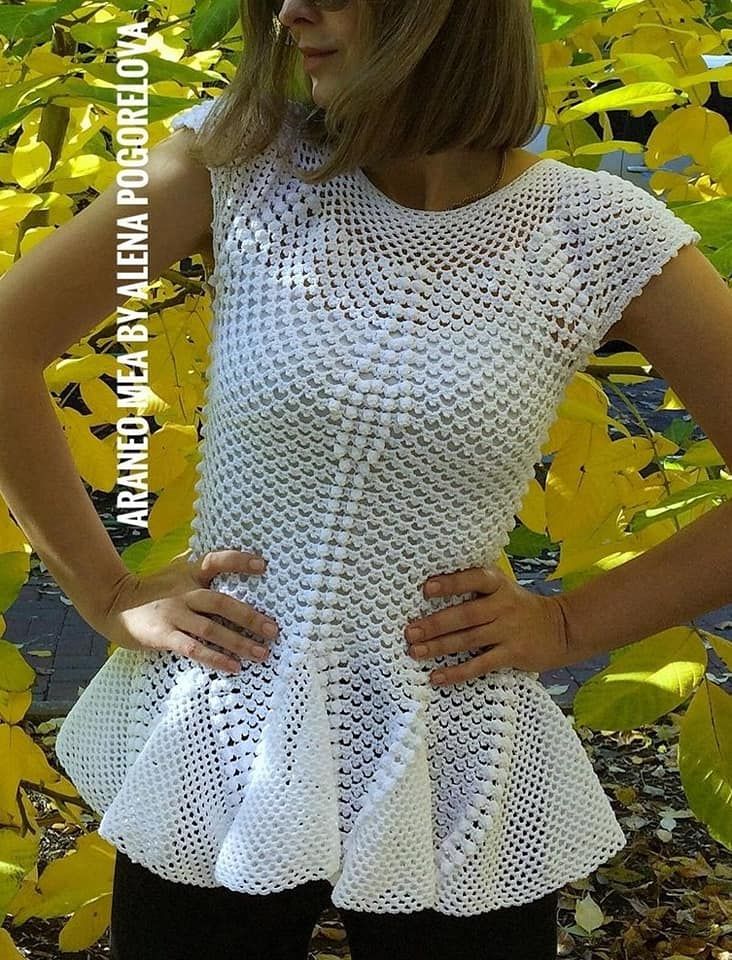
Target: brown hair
472, 66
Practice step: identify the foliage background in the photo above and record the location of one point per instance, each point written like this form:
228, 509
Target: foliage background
57, 130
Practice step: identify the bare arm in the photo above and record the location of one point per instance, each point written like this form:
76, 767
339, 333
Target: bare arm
682, 324
49, 299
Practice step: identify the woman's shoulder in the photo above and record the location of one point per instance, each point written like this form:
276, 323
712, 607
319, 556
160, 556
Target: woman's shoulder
193, 116
518, 161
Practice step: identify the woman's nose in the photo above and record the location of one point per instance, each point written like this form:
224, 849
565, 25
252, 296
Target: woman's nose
292, 10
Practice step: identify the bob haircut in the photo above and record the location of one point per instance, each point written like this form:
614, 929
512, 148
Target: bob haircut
472, 68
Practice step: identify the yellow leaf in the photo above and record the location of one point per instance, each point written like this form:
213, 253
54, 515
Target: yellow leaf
85, 165
33, 237
8, 950
148, 556
603, 547
504, 564
18, 855
45, 63
14, 569
101, 401
30, 163
575, 409
22, 759
720, 162
174, 505
147, 402
171, 449
15, 207
712, 75
626, 795
608, 146
703, 453
12, 538
722, 647
697, 46
705, 759
637, 98
588, 914
14, 706
94, 459
644, 681
622, 455
61, 373
70, 881
689, 130
87, 924
634, 66
532, 513
178, 360
87, 125
578, 498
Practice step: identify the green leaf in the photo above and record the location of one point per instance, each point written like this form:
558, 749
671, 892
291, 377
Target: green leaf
638, 98
159, 70
14, 567
523, 542
644, 681
148, 555
681, 501
33, 21
212, 21
554, 19
705, 759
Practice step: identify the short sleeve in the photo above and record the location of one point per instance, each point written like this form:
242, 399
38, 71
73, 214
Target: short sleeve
194, 116
622, 236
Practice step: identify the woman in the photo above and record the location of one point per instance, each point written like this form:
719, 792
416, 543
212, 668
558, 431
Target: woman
391, 340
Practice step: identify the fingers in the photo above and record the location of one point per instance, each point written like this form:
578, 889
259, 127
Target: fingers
472, 639
449, 621
460, 627
195, 636
202, 628
525, 632
484, 580
226, 561
188, 646
211, 601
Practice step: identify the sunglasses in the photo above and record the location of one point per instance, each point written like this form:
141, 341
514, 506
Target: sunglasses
327, 5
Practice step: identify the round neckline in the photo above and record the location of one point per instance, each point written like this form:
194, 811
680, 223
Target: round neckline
476, 205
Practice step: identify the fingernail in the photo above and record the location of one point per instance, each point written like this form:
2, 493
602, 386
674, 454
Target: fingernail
270, 630
258, 565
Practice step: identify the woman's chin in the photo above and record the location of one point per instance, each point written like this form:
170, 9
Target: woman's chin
321, 92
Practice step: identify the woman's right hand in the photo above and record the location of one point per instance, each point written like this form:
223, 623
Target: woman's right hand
167, 611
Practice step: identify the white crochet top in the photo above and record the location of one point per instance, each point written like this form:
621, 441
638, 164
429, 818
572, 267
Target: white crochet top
381, 380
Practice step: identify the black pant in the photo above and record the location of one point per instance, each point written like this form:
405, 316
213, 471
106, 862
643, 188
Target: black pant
157, 919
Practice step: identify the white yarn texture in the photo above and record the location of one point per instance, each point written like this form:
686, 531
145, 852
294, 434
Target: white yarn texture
380, 382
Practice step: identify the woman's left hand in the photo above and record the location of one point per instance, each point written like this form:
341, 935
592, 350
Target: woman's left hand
511, 626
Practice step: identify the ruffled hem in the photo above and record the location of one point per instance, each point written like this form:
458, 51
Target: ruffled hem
274, 816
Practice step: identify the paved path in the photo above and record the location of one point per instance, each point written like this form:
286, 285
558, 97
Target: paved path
66, 653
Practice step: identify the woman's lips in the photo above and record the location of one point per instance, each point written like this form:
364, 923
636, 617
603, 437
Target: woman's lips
311, 60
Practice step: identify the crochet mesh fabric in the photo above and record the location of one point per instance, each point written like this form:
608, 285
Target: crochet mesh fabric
381, 380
